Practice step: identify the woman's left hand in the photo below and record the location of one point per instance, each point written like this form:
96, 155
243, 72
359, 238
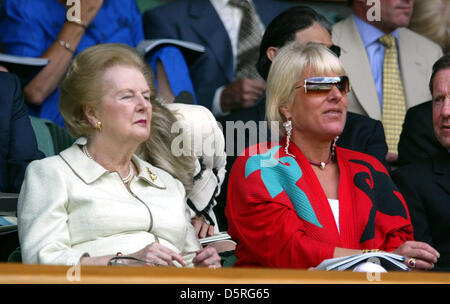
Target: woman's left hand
418, 255
207, 257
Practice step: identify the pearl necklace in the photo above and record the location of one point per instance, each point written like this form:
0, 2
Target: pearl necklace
126, 179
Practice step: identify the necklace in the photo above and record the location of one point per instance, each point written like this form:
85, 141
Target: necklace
130, 175
322, 165
126, 179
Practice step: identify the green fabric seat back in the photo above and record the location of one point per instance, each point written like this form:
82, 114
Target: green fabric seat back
50, 137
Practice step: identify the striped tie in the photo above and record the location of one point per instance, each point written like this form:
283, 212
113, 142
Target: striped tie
394, 107
250, 35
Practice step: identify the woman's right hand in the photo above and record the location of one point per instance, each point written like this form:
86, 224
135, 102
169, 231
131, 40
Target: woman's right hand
418, 255
156, 254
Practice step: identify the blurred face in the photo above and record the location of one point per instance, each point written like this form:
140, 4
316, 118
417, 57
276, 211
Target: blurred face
125, 110
314, 33
441, 107
395, 14
317, 114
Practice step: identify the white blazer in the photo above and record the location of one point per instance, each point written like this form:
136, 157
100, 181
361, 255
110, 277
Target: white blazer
69, 206
417, 55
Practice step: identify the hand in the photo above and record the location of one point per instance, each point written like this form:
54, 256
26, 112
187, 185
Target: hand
202, 228
3, 69
391, 158
207, 257
423, 254
157, 254
88, 10
241, 93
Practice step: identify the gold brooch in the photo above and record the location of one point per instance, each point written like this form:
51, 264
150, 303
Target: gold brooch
152, 175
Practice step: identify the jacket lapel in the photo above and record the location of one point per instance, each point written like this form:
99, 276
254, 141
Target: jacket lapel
413, 70
441, 167
85, 168
357, 66
208, 26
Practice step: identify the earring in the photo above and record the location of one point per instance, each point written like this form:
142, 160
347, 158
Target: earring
288, 129
98, 125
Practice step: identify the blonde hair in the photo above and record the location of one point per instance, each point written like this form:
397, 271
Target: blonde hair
84, 85
157, 149
290, 63
431, 18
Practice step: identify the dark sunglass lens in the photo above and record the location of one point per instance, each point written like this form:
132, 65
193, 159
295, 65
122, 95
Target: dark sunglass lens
343, 85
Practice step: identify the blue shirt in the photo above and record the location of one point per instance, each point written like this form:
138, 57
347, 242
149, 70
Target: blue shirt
375, 51
29, 27
175, 67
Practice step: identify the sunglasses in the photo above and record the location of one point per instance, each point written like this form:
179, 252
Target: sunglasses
325, 84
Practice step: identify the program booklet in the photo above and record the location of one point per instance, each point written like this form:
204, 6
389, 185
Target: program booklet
8, 224
8, 212
221, 236
24, 67
190, 50
388, 261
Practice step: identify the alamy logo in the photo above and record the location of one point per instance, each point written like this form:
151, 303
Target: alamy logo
73, 13
73, 274
374, 12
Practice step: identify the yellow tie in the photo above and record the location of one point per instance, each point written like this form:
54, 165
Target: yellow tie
394, 107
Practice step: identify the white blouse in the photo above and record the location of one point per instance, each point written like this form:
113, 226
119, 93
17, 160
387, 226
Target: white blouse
334, 204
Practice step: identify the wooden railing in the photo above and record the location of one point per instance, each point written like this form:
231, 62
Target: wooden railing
40, 274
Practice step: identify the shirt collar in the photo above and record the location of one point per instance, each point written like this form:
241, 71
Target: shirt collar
90, 171
369, 33
219, 4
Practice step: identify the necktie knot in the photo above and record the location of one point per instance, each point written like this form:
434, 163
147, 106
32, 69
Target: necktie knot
388, 41
243, 4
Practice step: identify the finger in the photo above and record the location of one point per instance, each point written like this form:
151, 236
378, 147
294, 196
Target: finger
391, 157
197, 225
423, 255
168, 258
251, 88
179, 258
255, 84
207, 256
423, 251
164, 253
211, 230
251, 96
156, 261
203, 254
208, 262
427, 247
419, 264
203, 230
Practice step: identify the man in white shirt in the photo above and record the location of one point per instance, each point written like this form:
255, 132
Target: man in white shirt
214, 24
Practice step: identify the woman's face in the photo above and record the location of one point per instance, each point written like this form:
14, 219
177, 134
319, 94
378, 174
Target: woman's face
125, 109
320, 115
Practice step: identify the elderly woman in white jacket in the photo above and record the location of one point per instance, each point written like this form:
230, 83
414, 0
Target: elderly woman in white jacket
97, 202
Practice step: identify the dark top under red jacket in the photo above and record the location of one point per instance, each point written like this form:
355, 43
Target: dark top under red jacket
280, 217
